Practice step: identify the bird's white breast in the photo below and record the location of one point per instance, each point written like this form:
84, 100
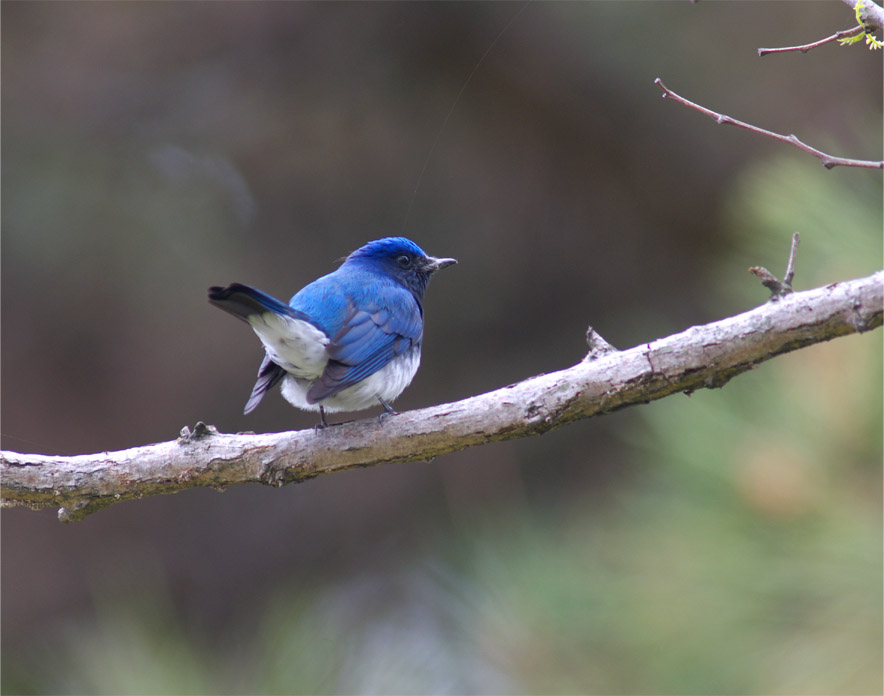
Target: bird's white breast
387, 383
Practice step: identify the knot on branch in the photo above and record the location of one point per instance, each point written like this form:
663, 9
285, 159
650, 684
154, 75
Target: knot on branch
598, 346
200, 431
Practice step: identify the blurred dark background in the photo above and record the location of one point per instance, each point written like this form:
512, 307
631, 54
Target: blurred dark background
727, 543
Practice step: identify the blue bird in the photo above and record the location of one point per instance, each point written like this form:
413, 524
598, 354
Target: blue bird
347, 341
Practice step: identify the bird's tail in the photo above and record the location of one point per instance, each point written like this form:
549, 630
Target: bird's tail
272, 321
243, 301
268, 375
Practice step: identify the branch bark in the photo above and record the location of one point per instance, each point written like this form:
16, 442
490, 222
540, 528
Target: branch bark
604, 381
871, 14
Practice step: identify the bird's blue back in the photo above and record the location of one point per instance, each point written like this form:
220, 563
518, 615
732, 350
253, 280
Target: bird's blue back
370, 317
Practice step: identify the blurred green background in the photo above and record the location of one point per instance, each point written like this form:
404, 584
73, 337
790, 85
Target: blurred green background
726, 543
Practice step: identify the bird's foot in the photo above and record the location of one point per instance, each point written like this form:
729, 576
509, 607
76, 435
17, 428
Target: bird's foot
323, 423
388, 411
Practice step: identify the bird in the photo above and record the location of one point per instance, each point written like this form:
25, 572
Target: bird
347, 341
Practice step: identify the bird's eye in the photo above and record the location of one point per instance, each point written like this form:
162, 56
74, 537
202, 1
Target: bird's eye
404, 261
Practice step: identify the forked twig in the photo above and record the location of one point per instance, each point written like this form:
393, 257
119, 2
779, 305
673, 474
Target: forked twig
777, 288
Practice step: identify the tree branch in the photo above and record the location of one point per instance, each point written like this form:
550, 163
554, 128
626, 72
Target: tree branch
871, 19
605, 381
871, 14
828, 161
837, 36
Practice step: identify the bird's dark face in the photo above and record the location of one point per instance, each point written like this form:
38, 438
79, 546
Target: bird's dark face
401, 259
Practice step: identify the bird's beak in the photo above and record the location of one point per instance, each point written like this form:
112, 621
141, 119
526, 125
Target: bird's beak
434, 264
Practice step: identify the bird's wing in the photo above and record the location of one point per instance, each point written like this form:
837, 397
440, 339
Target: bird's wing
370, 337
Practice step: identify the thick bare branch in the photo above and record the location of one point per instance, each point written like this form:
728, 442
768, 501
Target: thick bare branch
606, 380
828, 161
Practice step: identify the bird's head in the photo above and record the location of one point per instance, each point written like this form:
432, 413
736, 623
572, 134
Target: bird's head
401, 259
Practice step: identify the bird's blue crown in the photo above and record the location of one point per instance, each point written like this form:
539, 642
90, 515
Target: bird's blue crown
387, 247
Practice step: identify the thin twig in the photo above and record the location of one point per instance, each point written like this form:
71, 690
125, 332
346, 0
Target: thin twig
828, 161
768, 280
846, 33
779, 289
790, 265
